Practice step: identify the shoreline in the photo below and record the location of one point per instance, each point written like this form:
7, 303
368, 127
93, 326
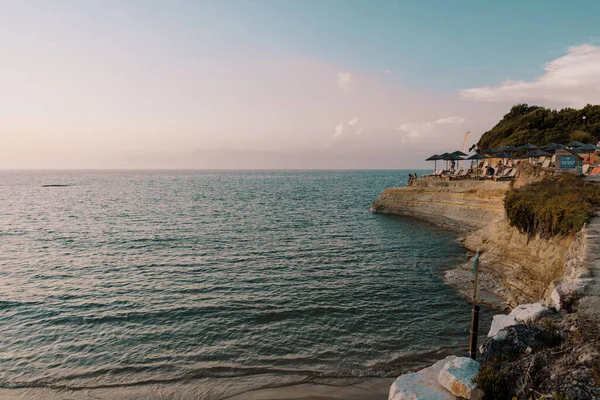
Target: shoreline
356, 389
549, 286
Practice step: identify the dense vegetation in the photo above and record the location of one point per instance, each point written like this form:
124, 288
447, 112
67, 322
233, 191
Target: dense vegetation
539, 125
553, 206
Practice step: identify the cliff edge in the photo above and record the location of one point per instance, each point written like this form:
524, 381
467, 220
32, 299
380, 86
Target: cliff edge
515, 268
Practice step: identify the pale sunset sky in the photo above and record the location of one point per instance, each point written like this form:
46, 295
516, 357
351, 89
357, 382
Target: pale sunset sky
279, 84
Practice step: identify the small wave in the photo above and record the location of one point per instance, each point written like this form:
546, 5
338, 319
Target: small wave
304, 376
7, 305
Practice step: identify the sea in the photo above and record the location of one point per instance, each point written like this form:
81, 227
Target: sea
219, 281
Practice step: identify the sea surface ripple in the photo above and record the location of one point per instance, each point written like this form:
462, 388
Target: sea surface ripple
129, 277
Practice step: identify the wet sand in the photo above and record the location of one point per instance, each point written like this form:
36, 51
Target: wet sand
367, 389
370, 389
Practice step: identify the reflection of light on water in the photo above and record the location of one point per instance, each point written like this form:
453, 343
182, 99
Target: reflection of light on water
131, 278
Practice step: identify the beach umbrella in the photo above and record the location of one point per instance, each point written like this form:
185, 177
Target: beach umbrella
507, 149
552, 147
527, 147
443, 157
587, 148
434, 158
536, 153
490, 151
452, 157
476, 157
502, 155
459, 153
574, 144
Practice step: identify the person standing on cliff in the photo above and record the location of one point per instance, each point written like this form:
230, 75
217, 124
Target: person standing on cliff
410, 178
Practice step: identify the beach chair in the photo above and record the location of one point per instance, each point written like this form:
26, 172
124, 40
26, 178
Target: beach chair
437, 173
479, 174
546, 163
451, 174
498, 176
585, 169
595, 171
510, 174
461, 174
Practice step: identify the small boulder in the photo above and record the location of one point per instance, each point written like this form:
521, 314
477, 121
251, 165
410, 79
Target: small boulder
528, 313
499, 322
457, 377
524, 313
564, 294
421, 385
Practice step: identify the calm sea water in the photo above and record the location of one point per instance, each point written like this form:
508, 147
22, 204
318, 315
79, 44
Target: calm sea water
125, 278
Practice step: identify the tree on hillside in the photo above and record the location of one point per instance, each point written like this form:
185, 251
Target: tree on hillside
539, 125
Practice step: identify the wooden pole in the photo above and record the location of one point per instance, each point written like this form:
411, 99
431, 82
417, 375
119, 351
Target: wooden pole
474, 312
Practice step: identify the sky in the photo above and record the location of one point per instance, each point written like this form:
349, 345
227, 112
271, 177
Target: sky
279, 84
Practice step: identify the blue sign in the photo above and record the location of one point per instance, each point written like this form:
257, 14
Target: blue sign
569, 162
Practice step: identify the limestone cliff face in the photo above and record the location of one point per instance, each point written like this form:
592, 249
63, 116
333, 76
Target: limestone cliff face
522, 268
525, 268
463, 204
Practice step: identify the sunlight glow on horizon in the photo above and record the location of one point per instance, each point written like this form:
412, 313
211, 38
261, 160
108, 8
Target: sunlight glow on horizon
136, 84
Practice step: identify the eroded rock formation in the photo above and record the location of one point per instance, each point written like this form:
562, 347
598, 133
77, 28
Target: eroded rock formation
515, 267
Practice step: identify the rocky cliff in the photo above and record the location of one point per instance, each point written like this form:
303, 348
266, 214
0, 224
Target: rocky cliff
465, 204
514, 267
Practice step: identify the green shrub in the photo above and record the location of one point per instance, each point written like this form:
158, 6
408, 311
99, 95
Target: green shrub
583, 137
558, 206
492, 382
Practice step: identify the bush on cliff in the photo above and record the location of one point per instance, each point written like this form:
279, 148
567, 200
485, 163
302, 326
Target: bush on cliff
550, 207
540, 126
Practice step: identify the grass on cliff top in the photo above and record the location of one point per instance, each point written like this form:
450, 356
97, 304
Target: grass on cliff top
551, 207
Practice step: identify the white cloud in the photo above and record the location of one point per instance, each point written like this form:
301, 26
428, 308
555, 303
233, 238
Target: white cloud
351, 128
345, 80
450, 120
338, 130
572, 80
417, 131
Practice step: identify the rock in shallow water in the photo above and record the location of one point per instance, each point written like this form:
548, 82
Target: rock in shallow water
457, 376
422, 385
